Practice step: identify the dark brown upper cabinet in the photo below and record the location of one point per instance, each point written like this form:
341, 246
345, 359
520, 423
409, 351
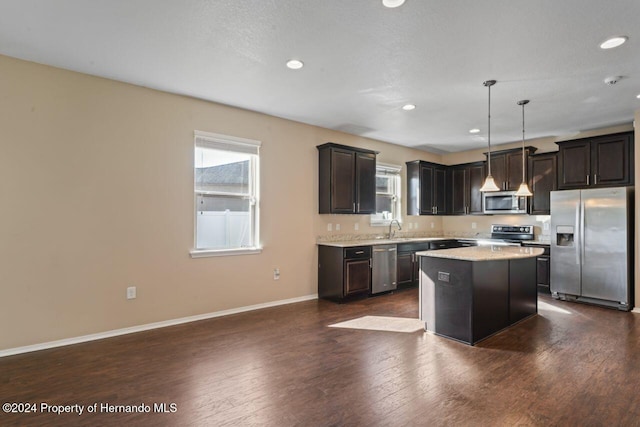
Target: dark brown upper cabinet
601, 161
466, 180
426, 188
506, 167
347, 179
542, 181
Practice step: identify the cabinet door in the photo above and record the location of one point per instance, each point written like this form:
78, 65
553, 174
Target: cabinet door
404, 268
426, 189
365, 183
543, 272
574, 165
439, 191
499, 170
459, 190
476, 178
514, 170
542, 170
357, 276
342, 179
611, 160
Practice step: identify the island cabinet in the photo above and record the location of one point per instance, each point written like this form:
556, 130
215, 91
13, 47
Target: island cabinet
343, 272
347, 180
543, 179
470, 300
426, 188
601, 161
506, 167
465, 182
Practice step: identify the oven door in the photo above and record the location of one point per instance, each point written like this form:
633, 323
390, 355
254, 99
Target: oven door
504, 202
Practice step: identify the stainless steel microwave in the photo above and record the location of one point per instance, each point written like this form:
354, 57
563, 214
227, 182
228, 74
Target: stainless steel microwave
503, 202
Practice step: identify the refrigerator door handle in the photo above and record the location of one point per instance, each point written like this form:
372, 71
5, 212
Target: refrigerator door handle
582, 228
578, 233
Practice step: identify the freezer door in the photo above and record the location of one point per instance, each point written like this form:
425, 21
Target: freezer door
565, 242
604, 269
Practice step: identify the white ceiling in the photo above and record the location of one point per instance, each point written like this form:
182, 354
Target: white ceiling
362, 61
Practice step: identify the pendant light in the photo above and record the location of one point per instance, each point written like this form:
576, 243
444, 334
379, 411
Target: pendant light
524, 188
489, 183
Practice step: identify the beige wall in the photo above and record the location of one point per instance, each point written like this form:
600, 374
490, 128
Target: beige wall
96, 179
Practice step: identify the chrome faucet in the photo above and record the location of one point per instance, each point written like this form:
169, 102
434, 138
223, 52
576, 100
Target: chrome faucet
391, 233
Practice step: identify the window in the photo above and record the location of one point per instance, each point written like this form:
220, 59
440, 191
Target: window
226, 195
387, 194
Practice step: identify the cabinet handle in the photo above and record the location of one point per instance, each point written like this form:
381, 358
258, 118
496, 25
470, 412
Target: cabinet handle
358, 206
436, 209
359, 252
595, 179
588, 179
354, 206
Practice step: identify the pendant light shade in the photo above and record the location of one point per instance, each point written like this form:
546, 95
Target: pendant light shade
524, 188
489, 183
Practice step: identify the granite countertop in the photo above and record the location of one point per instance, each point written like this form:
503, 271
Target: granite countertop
383, 241
399, 240
484, 253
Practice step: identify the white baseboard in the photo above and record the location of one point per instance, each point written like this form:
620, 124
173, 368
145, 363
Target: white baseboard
148, 326
636, 310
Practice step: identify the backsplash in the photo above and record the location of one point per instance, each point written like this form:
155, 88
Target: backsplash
357, 227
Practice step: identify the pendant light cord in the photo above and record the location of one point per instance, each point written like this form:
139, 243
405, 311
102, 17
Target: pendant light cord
489, 129
523, 177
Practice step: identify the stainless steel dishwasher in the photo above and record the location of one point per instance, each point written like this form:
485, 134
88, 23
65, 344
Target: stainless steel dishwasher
383, 265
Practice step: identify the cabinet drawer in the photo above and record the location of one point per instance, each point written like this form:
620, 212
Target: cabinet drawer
360, 252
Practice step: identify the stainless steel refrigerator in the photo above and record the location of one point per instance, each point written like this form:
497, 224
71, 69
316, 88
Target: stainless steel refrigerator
592, 246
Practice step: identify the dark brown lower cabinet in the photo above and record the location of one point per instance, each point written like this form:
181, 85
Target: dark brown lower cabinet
543, 268
405, 268
407, 263
343, 272
357, 276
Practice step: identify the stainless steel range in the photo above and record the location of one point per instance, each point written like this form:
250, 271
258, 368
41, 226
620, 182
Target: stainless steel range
512, 233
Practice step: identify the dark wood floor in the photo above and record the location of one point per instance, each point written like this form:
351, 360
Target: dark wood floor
570, 365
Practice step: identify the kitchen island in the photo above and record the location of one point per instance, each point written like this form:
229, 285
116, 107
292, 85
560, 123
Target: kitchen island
468, 294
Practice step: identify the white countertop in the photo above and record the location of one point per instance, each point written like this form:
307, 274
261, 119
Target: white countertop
484, 253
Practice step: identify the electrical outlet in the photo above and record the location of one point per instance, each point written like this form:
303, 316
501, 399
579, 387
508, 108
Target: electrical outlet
410, 226
276, 273
433, 225
415, 225
131, 292
356, 226
474, 225
545, 226
337, 227
329, 227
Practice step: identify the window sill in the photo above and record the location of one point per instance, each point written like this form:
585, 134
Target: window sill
205, 253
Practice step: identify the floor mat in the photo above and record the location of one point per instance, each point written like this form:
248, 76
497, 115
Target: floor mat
381, 323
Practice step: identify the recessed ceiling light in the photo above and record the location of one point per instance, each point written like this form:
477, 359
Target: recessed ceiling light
613, 42
408, 107
638, 96
295, 64
475, 130
392, 3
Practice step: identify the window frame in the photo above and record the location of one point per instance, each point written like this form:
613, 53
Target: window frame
238, 145
395, 170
